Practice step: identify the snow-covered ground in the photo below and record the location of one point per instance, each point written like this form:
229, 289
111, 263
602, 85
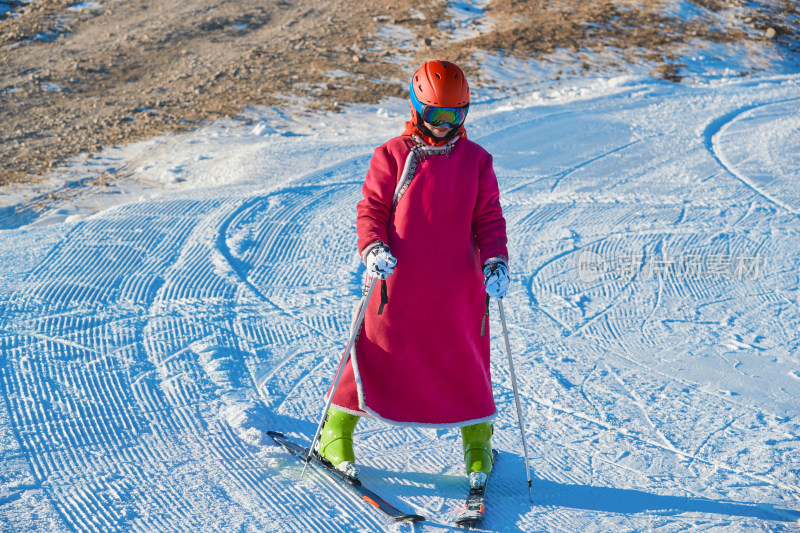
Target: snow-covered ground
151, 334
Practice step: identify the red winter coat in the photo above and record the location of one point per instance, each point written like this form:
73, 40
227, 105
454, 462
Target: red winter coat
423, 362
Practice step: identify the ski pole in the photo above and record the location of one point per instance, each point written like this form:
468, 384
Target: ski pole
516, 397
361, 312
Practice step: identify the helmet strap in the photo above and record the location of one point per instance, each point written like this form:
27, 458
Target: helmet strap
428, 133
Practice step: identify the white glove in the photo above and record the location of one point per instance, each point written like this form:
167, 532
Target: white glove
380, 261
495, 272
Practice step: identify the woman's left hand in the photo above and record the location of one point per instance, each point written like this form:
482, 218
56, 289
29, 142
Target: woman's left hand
496, 280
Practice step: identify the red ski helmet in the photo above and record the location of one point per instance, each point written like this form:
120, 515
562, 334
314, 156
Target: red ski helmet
440, 84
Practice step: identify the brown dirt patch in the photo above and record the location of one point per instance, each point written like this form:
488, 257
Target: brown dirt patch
136, 68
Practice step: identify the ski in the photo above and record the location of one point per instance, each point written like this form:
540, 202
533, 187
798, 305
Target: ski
474, 510
355, 486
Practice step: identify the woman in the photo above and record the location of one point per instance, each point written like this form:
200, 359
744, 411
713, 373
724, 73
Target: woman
431, 228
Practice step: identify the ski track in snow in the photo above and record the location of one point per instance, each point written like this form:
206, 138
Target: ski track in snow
145, 350
776, 124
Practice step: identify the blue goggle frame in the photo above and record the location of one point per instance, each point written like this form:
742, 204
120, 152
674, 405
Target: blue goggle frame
439, 116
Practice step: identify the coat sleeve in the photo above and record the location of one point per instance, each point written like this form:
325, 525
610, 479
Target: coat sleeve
374, 210
488, 223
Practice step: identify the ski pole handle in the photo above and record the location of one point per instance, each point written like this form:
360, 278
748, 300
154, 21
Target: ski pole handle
339, 371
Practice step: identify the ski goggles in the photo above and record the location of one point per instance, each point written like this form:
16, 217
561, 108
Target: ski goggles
439, 116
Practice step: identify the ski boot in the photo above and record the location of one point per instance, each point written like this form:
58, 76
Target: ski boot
478, 452
336, 442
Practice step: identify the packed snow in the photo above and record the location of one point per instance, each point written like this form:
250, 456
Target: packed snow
154, 329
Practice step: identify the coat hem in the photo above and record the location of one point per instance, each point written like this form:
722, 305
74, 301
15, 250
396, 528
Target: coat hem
463, 423
355, 412
369, 413
365, 411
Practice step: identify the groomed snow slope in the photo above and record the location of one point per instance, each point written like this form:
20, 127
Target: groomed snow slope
654, 316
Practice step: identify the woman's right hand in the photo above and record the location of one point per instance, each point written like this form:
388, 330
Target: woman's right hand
380, 261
